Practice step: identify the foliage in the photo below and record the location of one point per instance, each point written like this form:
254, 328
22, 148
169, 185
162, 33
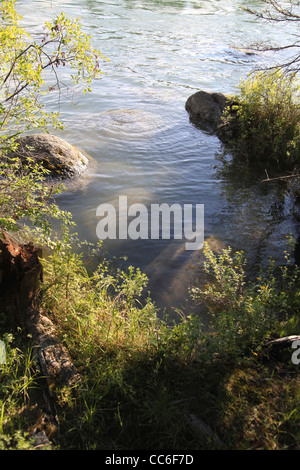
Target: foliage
99, 307
24, 194
228, 277
28, 73
127, 355
144, 376
18, 377
266, 119
144, 379
244, 315
24, 62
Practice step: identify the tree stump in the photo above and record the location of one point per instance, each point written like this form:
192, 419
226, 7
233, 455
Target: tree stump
20, 275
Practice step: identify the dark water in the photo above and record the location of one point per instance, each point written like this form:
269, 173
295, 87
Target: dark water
135, 127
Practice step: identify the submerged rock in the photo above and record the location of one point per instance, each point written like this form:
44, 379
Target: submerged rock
206, 109
60, 158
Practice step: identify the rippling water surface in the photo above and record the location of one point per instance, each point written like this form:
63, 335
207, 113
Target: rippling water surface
135, 128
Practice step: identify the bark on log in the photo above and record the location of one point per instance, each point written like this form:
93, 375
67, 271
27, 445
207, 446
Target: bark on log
284, 342
54, 359
20, 275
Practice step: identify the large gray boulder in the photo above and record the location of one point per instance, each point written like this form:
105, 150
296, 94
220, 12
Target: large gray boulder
60, 158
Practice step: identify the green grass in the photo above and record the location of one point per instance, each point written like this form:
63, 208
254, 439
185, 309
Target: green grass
21, 387
148, 384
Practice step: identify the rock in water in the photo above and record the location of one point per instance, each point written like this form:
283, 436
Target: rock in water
60, 158
206, 108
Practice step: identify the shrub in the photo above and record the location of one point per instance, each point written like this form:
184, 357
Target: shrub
27, 63
244, 314
267, 120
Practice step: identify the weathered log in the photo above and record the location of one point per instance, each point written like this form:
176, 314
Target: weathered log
55, 365
54, 359
284, 342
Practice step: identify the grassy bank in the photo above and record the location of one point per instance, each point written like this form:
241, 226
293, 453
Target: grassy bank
149, 384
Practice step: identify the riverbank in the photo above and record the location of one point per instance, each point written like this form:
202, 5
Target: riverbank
89, 362
146, 384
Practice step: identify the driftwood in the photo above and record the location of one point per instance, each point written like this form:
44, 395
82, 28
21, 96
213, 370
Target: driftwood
54, 359
280, 349
56, 368
282, 178
285, 342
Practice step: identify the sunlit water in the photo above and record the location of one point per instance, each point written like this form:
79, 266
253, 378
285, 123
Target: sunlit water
135, 128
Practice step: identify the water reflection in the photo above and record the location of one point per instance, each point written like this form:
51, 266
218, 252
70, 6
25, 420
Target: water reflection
263, 212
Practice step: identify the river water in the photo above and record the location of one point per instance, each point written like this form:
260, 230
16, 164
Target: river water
135, 128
